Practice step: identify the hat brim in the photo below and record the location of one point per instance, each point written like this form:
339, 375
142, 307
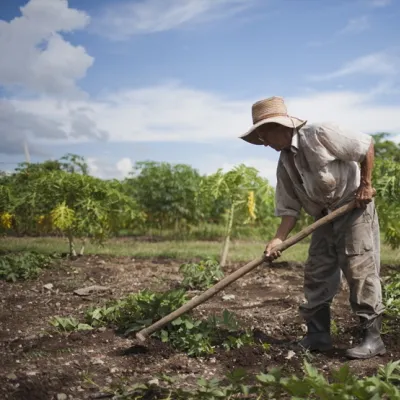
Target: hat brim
291, 122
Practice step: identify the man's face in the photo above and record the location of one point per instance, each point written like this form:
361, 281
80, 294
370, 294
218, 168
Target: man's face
277, 136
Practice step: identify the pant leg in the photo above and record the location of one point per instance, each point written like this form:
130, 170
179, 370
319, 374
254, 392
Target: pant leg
321, 272
358, 248
376, 240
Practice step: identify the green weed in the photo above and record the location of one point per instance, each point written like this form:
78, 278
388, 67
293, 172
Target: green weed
201, 275
23, 265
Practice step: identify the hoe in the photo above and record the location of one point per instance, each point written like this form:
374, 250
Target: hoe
195, 301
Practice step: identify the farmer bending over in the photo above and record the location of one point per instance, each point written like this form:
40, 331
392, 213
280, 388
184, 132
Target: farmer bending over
318, 170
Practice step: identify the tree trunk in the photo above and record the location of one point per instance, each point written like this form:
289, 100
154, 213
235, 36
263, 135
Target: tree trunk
83, 247
72, 251
176, 227
227, 237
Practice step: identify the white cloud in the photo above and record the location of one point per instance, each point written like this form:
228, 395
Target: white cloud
35, 55
172, 112
30, 121
356, 110
395, 139
104, 168
169, 112
166, 112
38, 61
381, 64
356, 25
177, 113
380, 3
132, 17
124, 166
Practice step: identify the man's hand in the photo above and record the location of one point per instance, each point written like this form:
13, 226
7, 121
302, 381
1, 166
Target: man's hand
366, 192
364, 195
268, 249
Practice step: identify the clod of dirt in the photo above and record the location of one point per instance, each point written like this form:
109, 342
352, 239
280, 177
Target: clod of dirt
97, 361
48, 286
290, 354
228, 297
11, 377
90, 290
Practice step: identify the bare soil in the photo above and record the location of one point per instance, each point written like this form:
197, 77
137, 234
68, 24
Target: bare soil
37, 362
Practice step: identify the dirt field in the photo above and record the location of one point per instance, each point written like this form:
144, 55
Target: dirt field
38, 363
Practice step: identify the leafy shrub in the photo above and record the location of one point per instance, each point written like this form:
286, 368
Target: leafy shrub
195, 337
23, 265
68, 324
201, 275
391, 295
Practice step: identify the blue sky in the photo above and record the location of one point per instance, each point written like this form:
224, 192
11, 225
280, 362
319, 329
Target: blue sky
174, 80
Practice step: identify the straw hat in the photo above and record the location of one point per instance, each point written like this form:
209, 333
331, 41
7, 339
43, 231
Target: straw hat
266, 111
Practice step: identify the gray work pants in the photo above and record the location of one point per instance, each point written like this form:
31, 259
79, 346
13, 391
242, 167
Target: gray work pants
350, 243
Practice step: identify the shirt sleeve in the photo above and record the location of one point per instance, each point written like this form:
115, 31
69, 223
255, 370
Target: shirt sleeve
286, 201
344, 144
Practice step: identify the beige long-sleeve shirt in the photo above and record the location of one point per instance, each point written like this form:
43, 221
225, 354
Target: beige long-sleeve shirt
326, 157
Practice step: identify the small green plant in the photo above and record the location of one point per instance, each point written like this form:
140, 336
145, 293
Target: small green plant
68, 324
201, 275
334, 328
193, 336
136, 311
23, 265
391, 295
273, 385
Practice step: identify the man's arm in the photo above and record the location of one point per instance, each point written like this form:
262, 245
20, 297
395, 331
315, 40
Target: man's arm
366, 192
287, 207
287, 224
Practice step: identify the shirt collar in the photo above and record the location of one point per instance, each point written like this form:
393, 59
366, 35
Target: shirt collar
294, 146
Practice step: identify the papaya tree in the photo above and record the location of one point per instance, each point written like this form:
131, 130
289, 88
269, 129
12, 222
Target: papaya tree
239, 187
75, 204
166, 193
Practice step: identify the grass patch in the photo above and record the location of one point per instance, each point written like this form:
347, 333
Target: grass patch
240, 250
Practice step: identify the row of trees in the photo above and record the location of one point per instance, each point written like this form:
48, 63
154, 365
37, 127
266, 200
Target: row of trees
61, 196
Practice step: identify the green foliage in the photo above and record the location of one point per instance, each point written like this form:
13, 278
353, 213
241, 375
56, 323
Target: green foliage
201, 275
386, 180
59, 197
68, 324
23, 266
46, 198
239, 187
386, 149
234, 186
239, 384
195, 337
391, 295
63, 217
166, 193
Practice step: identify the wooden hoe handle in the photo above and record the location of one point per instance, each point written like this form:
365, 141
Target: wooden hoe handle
195, 301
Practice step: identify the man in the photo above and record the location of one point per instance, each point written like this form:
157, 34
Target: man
320, 168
